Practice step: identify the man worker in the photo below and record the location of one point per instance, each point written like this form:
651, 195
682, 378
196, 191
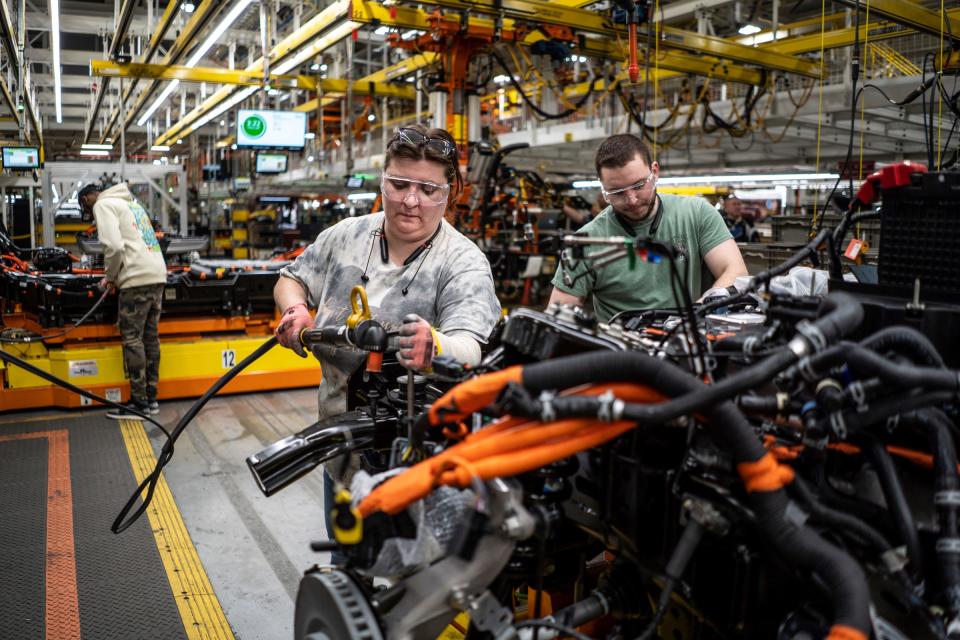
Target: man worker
133, 264
740, 227
628, 178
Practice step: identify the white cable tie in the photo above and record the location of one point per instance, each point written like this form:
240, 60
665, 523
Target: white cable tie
806, 370
948, 545
859, 395
547, 412
605, 411
838, 425
949, 498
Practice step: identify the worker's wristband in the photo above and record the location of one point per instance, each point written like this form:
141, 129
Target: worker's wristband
436, 342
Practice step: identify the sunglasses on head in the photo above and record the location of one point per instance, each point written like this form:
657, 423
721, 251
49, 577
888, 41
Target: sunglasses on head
438, 145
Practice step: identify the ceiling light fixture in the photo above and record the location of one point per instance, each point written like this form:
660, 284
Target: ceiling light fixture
55, 46
160, 147
94, 152
188, 7
101, 147
749, 30
211, 40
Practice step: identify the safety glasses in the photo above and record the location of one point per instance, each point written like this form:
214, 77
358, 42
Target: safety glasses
440, 146
427, 194
616, 196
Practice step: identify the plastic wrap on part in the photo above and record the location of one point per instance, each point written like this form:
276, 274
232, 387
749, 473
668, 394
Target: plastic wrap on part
437, 518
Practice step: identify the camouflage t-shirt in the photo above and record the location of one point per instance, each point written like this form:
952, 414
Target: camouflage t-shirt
453, 291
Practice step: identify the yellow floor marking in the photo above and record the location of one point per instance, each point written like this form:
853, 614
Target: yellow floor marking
203, 618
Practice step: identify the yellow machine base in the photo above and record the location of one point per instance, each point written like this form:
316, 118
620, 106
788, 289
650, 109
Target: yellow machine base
187, 369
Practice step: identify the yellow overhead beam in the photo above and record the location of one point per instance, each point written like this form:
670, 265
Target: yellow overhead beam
411, 64
593, 22
838, 38
367, 88
199, 19
163, 25
767, 58
197, 74
910, 14
291, 48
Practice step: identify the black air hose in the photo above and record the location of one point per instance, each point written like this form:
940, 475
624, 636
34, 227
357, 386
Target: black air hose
843, 314
896, 501
798, 544
946, 499
907, 342
867, 362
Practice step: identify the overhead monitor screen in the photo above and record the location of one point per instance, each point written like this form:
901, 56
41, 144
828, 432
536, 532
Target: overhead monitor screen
264, 129
355, 182
271, 162
21, 158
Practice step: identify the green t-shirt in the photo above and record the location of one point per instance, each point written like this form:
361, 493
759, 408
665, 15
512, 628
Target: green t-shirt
691, 225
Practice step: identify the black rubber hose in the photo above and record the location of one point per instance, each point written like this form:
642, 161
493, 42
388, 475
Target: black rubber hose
798, 544
843, 522
843, 314
149, 483
867, 362
946, 484
896, 502
907, 342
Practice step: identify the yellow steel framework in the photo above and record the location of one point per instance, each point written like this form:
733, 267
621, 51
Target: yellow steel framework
369, 12
199, 19
162, 26
411, 64
910, 14
197, 74
291, 46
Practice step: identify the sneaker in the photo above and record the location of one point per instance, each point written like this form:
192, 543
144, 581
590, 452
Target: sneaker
127, 414
153, 408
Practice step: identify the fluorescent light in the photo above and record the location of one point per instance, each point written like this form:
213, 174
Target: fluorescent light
382, 31
188, 7
501, 79
763, 37
749, 30
235, 100
94, 152
310, 135
310, 158
371, 117
358, 197
746, 178
323, 67
315, 66
411, 34
101, 147
159, 147
211, 40
55, 45
587, 184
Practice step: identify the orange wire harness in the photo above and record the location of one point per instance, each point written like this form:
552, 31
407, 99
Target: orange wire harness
508, 447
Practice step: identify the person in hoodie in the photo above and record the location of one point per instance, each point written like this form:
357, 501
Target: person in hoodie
133, 265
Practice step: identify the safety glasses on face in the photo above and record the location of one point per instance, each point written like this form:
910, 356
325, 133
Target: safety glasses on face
615, 196
438, 145
427, 194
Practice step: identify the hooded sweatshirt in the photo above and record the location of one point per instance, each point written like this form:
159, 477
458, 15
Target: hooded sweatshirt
131, 253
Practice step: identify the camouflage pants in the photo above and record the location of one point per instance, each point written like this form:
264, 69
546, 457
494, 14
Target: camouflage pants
138, 321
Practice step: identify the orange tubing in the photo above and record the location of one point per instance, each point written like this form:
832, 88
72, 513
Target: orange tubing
472, 395
506, 448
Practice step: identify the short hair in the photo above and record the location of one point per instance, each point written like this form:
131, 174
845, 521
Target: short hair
398, 148
93, 187
616, 151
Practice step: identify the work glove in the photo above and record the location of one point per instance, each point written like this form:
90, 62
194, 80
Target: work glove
416, 343
294, 320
